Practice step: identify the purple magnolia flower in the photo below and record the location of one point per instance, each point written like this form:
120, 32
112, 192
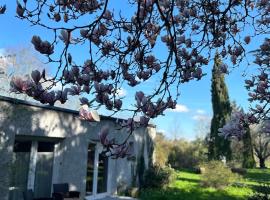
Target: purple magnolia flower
91, 116
139, 96
36, 76
65, 36
235, 126
84, 33
107, 15
247, 39
43, 47
74, 90
118, 104
17, 84
144, 120
20, 10
84, 101
62, 95
50, 98
103, 136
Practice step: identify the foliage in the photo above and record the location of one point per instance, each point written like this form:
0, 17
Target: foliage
185, 154
161, 143
158, 177
179, 153
219, 146
248, 158
217, 175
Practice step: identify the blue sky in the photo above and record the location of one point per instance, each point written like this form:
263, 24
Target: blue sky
194, 104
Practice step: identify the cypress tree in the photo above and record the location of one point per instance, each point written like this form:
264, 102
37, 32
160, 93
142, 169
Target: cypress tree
248, 157
247, 152
218, 145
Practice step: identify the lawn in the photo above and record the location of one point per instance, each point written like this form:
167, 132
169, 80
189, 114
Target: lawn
187, 187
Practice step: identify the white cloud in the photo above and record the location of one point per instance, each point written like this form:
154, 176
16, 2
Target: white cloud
161, 131
5, 60
179, 108
200, 111
121, 92
201, 117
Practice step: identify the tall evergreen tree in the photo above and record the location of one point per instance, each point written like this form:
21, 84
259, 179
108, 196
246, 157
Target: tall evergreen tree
248, 157
218, 145
248, 160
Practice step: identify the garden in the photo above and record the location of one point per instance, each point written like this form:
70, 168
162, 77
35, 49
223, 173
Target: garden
187, 186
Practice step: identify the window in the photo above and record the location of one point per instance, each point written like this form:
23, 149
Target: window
90, 168
22, 146
45, 146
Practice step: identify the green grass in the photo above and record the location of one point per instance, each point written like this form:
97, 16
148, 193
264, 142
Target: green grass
187, 187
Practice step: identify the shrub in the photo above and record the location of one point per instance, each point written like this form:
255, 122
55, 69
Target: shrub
158, 177
132, 192
241, 171
186, 155
217, 175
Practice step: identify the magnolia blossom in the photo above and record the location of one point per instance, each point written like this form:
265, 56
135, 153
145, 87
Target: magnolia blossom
20, 10
36, 76
85, 114
43, 47
237, 124
65, 36
103, 136
234, 127
2, 9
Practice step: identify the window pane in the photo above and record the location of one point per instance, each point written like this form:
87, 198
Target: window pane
90, 169
19, 175
45, 147
43, 176
102, 173
22, 146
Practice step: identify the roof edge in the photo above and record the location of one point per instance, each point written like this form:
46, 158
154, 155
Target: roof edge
56, 108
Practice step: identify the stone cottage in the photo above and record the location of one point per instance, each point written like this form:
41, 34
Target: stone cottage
43, 145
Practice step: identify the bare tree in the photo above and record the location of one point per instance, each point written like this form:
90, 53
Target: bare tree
20, 60
261, 142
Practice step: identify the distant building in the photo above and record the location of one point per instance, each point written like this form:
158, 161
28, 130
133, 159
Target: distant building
42, 145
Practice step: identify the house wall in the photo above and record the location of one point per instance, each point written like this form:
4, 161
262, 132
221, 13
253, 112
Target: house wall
71, 152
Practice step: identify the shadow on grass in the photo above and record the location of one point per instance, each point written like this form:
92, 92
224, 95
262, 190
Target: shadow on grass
258, 175
179, 178
191, 194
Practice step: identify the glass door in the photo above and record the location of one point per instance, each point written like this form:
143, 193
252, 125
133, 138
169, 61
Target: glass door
31, 169
19, 169
102, 174
97, 172
44, 170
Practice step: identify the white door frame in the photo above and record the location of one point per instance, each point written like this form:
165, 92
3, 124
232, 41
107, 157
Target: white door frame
95, 195
33, 164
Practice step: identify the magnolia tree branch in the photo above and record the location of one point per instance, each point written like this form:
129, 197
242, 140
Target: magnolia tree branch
122, 49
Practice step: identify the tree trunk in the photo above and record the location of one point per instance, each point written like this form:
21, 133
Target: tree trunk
262, 162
